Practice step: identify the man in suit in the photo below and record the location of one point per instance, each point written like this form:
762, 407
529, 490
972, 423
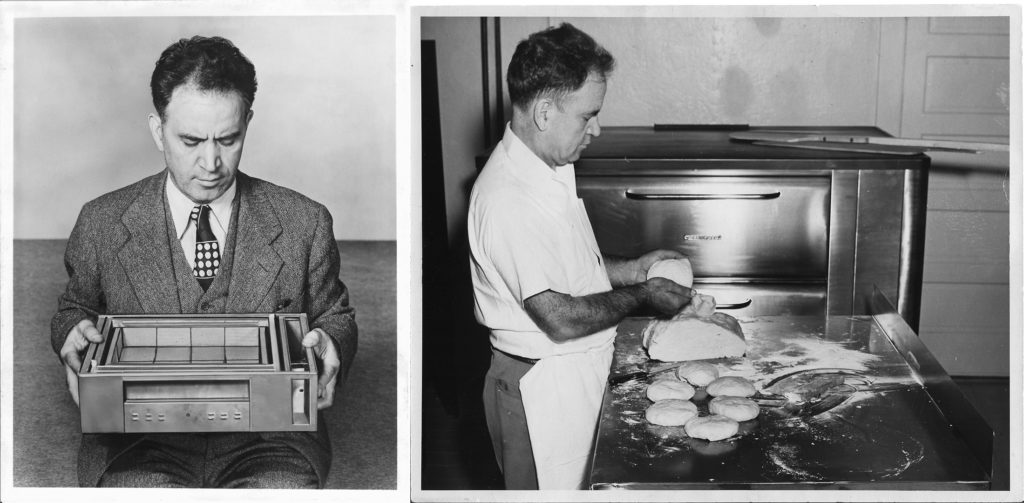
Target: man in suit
200, 237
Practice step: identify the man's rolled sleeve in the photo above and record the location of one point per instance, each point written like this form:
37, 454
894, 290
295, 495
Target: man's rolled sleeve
327, 297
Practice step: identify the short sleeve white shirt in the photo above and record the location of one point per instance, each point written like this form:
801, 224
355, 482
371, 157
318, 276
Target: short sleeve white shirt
528, 233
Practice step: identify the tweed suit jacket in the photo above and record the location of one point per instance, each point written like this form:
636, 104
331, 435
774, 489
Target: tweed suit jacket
285, 260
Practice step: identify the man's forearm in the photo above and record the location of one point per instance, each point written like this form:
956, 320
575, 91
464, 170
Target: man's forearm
563, 317
621, 271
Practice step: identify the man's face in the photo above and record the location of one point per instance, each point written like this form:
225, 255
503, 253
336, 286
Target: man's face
201, 138
571, 125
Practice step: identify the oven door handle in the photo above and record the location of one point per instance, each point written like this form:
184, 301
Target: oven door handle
735, 305
654, 196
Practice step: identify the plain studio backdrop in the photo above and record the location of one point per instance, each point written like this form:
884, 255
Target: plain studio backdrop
323, 122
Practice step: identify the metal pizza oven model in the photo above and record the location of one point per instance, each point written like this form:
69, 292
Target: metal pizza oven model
199, 373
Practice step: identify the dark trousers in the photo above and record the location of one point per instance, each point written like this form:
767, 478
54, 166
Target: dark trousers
506, 421
236, 460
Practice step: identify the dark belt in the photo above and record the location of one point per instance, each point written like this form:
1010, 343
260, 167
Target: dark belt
523, 359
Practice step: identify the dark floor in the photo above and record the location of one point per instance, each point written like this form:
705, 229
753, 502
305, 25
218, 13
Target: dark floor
991, 397
362, 422
457, 452
457, 455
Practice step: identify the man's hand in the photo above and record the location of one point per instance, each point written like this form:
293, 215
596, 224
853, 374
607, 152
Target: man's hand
645, 261
666, 296
74, 346
625, 272
330, 364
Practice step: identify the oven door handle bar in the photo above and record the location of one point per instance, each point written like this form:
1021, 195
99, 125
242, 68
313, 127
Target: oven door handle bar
735, 305
642, 195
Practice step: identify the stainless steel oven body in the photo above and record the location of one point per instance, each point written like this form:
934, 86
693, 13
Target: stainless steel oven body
769, 231
783, 236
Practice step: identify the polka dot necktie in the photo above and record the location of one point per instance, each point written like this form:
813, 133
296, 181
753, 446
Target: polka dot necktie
207, 261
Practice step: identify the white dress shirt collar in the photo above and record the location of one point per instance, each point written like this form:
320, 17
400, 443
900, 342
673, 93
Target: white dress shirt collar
181, 207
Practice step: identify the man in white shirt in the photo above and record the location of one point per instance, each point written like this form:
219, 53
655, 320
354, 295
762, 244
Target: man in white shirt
540, 282
202, 237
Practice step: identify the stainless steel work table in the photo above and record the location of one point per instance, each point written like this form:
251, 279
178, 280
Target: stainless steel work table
919, 436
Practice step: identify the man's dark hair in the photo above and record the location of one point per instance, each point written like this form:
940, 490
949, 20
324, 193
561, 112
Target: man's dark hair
209, 63
556, 61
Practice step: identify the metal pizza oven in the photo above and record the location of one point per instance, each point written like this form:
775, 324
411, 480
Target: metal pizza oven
794, 241
769, 230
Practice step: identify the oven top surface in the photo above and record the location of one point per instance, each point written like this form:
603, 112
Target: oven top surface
634, 143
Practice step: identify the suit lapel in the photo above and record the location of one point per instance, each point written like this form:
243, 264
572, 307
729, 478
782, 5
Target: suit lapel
256, 264
145, 255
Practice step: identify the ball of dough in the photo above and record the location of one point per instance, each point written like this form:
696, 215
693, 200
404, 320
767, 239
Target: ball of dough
734, 407
666, 389
671, 412
697, 373
713, 427
678, 270
731, 386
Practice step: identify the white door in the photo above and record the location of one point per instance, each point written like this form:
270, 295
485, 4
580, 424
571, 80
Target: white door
955, 85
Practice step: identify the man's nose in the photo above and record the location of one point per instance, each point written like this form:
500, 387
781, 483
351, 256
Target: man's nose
209, 159
594, 128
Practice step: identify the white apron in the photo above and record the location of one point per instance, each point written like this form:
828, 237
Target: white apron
562, 392
562, 398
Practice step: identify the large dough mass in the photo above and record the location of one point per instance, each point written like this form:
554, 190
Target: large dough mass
677, 270
700, 306
671, 412
713, 427
734, 407
696, 333
664, 389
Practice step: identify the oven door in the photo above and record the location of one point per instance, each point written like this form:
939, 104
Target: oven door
759, 244
749, 227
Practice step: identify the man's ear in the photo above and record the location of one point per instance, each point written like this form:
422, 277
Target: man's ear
542, 110
156, 129
248, 117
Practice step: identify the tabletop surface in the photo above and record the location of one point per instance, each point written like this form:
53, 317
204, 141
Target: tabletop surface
875, 439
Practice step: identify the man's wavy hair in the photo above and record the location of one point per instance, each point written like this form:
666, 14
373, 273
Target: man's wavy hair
209, 63
555, 62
